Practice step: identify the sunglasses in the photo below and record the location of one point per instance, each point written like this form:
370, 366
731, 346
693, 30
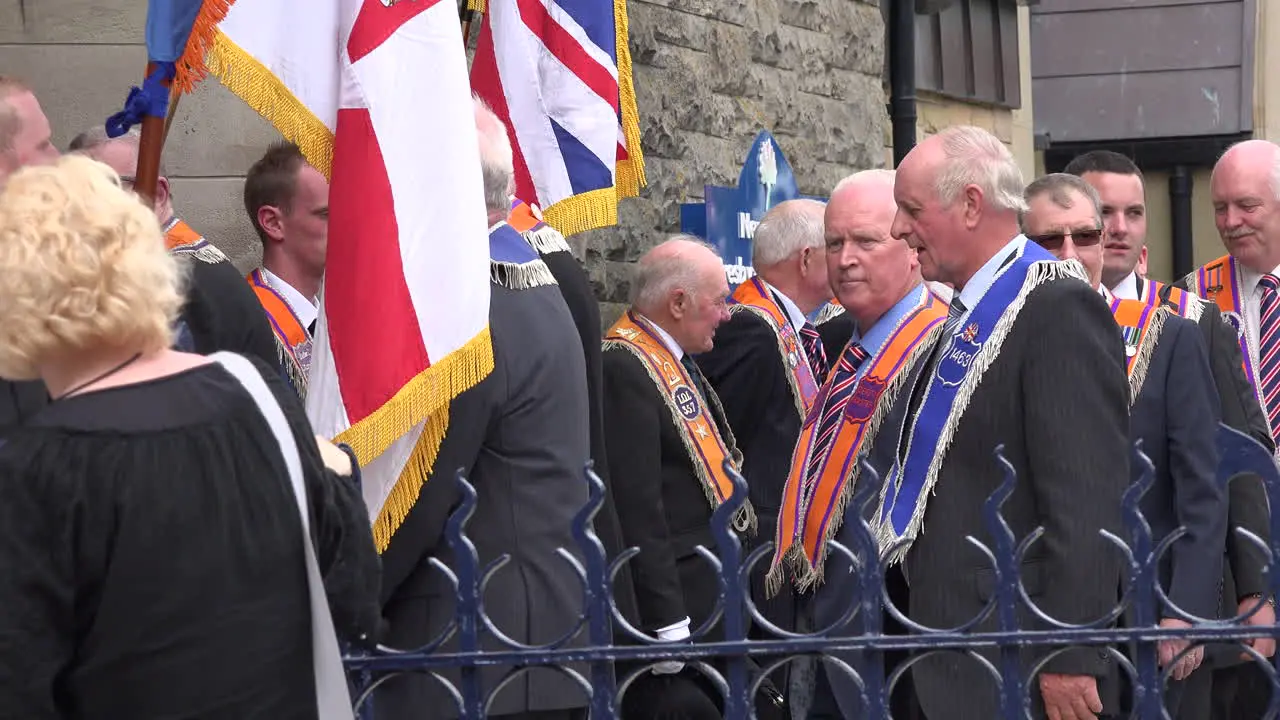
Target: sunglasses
1081, 238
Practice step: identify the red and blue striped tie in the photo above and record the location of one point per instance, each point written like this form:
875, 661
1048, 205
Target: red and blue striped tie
843, 380
1269, 346
814, 351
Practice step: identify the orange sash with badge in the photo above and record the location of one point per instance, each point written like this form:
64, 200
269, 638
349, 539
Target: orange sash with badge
812, 514
752, 296
1220, 282
180, 235
692, 417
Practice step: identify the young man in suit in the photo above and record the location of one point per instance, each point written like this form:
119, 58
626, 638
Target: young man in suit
768, 363
521, 438
1174, 413
1029, 349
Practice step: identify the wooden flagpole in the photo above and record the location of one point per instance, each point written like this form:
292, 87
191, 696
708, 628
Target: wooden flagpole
150, 147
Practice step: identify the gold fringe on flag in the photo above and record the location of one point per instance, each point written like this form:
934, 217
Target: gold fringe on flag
480, 6
630, 172
599, 208
249, 79
191, 68
424, 399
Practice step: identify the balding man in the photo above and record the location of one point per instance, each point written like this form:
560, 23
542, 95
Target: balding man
520, 437
1175, 415
24, 140
1245, 286
768, 362
668, 442
1029, 348
221, 312
894, 321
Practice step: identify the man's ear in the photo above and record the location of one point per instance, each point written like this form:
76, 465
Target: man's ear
679, 304
271, 220
162, 191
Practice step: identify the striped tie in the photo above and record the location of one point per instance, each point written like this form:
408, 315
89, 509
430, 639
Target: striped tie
813, 350
843, 380
953, 319
1269, 346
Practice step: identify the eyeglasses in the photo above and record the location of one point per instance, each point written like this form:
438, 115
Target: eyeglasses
1081, 238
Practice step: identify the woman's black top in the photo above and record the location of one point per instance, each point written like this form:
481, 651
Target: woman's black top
151, 556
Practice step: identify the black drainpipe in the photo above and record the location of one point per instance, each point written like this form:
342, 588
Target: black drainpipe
1180, 185
902, 77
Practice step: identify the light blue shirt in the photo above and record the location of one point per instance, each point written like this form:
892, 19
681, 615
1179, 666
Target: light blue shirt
875, 338
981, 282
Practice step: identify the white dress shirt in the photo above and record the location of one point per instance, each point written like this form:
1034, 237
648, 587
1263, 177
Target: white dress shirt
1127, 289
306, 309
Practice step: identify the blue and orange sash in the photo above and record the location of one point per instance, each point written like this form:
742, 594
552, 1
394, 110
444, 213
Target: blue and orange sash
1221, 282
961, 365
181, 240
1140, 326
293, 342
692, 417
812, 514
527, 220
752, 296
1183, 303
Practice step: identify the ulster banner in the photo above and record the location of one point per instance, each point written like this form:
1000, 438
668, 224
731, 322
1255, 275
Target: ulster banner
377, 97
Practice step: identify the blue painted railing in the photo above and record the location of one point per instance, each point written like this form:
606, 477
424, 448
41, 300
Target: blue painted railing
1142, 604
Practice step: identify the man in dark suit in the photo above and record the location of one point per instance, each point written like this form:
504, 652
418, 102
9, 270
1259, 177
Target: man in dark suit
1122, 192
768, 363
668, 441
1174, 413
575, 287
521, 438
1029, 349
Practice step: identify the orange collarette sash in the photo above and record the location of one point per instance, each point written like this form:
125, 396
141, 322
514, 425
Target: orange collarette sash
692, 417
752, 296
811, 516
293, 342
1140, 326
181, 239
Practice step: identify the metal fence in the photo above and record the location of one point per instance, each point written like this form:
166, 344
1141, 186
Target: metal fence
1131, 643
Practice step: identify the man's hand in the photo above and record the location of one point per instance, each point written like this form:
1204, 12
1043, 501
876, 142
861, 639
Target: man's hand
674, 633
1266, 616
1169, 650
1070, 697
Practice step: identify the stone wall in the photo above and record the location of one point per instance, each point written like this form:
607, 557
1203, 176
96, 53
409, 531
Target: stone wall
709, 75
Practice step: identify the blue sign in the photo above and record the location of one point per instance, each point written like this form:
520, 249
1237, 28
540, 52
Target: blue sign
728, 217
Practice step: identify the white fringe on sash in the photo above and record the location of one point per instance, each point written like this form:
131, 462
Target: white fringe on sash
828, 311
203, 251
521, 276
546, 239
1038, 274
1142, 362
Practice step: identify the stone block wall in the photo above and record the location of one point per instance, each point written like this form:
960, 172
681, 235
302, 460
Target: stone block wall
709, 75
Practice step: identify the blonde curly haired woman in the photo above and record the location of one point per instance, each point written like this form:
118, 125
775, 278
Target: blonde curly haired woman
152, 554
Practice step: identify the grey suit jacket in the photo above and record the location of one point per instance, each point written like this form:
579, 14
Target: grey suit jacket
1056, 398
521, 438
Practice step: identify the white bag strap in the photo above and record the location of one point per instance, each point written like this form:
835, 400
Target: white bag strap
333, 700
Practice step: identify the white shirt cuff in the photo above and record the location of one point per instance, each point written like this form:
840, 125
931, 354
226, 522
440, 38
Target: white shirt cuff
674, 632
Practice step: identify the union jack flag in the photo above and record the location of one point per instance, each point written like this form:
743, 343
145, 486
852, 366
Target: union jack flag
558, 74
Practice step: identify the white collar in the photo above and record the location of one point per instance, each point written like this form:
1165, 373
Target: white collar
794, 314
667, 340
982, 280
1127, 289
1250, 278
1107, 294
306, 309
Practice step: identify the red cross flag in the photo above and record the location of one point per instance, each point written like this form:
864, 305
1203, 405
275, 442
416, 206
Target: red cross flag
375, 92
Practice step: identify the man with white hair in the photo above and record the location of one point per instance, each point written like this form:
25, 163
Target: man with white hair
1029, 348
520, 437
768, 362
668, 444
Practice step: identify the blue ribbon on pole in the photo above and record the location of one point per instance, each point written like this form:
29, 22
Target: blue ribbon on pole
152, 99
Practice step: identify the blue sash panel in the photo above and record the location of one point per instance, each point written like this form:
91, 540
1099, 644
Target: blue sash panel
506, 245
942, 401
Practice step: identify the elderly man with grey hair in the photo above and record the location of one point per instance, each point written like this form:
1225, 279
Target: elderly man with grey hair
1028, 349
768, 363
669, 442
